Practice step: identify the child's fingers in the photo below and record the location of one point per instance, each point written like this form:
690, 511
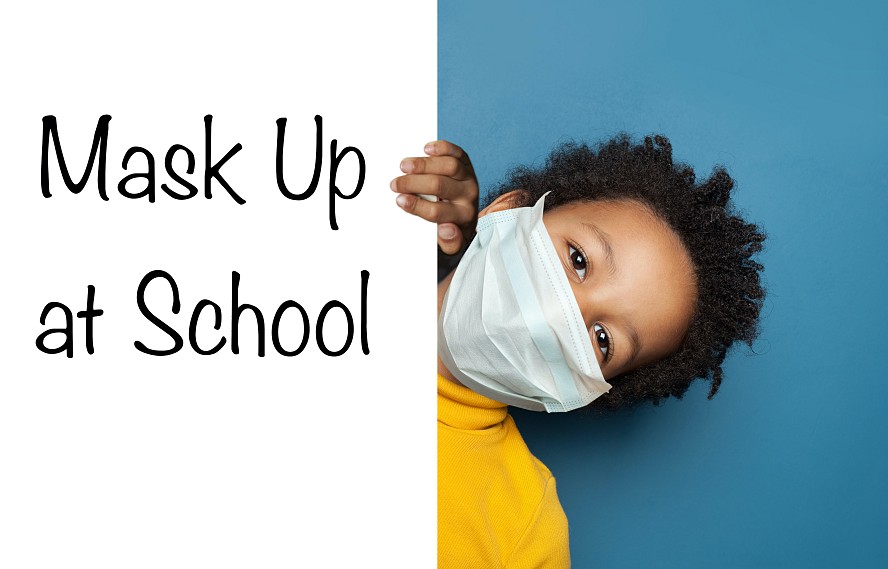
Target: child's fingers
436, 212
445, 148
440, 186
438, 165
450, 238
446, 173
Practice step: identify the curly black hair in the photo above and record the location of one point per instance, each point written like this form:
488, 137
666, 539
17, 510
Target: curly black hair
720, 243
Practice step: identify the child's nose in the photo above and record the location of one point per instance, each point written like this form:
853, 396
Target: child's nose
585, 302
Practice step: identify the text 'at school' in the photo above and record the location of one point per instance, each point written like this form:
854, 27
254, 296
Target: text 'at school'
205, 342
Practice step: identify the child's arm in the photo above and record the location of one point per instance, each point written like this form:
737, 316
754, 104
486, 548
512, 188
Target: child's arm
448, 175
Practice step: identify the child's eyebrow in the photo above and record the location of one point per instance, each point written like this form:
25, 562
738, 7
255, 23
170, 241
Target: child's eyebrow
604, 239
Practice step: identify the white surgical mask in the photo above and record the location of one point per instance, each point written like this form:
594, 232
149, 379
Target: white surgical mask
510, 327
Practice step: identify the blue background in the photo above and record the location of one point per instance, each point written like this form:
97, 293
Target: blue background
787, 465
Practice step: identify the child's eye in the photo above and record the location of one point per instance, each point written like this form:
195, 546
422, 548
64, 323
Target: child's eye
602, 339
577, 260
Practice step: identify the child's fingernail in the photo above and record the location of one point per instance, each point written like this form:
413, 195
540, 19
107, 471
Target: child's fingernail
446, 232
403, 201
429, 148
394, 185
406, 166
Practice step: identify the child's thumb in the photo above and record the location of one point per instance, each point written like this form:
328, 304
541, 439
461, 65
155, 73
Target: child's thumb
449, 238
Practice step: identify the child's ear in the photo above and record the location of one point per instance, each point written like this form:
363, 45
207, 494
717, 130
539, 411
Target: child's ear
508, 200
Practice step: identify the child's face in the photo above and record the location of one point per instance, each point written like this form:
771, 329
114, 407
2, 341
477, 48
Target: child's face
632, 278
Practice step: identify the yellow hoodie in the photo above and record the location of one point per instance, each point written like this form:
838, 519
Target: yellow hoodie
497, 505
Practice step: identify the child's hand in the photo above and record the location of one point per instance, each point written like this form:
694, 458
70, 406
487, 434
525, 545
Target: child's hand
448, 174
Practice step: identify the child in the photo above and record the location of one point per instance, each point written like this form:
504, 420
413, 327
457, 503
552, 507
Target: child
607, 277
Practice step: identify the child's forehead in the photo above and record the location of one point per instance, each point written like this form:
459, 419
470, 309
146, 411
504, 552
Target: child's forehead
605, 212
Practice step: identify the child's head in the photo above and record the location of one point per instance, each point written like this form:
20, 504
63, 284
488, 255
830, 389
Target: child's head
685, 283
